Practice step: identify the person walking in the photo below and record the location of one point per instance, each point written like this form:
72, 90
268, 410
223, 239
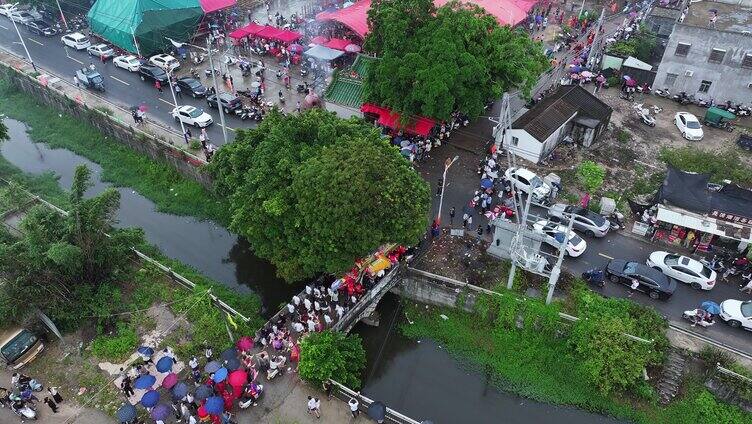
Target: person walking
451, 215
314, 406
125, 385
635, 284
188, 135
158, 86
55, 394
51, 404
329, 389
178, 92
439, 186
354, 406
465, 217
75, 81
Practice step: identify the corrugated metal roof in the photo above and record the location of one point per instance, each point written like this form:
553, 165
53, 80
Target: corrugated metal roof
345, 91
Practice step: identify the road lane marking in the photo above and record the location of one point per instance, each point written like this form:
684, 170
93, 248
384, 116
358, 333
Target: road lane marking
605, 256
231, 129
163, 100
31, 39
119, 80
75, 60
3, 27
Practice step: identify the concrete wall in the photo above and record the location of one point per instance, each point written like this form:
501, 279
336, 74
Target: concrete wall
527, 146
343, 112
432, 291
744, 3
119, 131
729, 80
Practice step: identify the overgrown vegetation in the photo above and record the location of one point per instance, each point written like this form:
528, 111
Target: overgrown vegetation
590, 176
720, 165
332, 355
640, 45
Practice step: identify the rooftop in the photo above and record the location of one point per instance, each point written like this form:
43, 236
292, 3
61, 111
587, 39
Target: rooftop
729, 17
347, 86
665, 12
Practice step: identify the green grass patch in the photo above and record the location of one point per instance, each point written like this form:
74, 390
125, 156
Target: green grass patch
118, 346
720, 165
44, 185
121, 166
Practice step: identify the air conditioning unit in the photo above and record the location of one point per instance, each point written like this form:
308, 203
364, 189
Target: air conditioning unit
689, 74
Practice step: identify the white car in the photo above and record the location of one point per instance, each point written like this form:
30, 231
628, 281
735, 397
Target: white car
21, 16
737, 313
688, 125
129, 63
100, 50
684, 269
527, 182
165, 61
6, 9
76, 40
192, 116
555, 234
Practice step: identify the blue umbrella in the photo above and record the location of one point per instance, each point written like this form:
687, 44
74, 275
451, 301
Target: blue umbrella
126, 413
150, 398
160, 412
145, 381
711, 307
220, 375
486, 183
145, 350
232, 364
212, 366
377, 411
215, 405
230, 353
180, 390
203, 392
165, 364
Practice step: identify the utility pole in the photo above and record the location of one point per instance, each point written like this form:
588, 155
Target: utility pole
595, 48
447, 164
175, 101
24, 44
62, 15
216, 88
556, 271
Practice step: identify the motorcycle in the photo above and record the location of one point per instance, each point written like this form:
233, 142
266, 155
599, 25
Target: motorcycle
703, 102
662, 93
743, 111
208, 72
24, 410
197, 59
681, 98
644, 115
616, 220
302, 89
716, 263
699, 317
594, 276
251, 397
230, 61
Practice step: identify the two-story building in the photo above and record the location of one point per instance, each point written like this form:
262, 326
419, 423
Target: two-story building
709, 54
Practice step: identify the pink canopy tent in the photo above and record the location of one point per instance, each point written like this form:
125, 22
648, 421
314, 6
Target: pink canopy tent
337, 44
214, 5
253, 28
238, 33
287, 36
269, 32
355, 17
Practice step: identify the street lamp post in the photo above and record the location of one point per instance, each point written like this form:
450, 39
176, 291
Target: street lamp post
447, 164
175, 101
24, 45
65, 22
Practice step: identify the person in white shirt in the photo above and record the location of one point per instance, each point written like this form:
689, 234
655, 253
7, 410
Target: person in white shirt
354, 406
340, 311
307, 304
308, 289
313, 406
334, 295
298, 327
327, 319
316, 292
311, 325
316, 305
290, 308
296, 300
193, 363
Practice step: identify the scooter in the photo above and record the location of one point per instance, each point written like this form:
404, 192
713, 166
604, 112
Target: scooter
594, 276
208, 72
30, 384
662, 93
699, 317
24, 410
616, 219
715, 263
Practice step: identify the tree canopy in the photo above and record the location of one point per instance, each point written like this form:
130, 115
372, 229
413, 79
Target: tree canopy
435, 61
63, 264
313, 193
3, 130
332, 355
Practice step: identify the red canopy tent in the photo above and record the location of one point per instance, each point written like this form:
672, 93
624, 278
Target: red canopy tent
239, 33
287, 36
214, 5
354, 17
269, 32
338, 44
253, 28
418, 125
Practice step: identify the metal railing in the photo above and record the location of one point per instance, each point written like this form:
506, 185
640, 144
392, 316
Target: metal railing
392, 416
374, 294
727, 371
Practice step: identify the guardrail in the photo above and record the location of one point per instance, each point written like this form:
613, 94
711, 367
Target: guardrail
392, 416
727, 371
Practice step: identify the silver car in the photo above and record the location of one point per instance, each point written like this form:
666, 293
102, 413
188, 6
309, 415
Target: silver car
585, 220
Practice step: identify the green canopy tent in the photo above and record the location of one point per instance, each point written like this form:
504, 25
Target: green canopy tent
142, 26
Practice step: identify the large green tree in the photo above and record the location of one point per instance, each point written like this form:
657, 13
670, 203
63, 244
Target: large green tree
456, 57
64, 264
332, 355
312, 192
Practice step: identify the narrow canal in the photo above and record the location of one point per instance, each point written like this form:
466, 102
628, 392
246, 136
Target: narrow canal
418, 378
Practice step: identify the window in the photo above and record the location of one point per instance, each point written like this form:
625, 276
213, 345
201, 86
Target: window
705, 86
671, 79
747, 61
515, 141
716, 55
682, 49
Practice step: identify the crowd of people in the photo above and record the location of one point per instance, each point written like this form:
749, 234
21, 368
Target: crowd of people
417, 148
21, 398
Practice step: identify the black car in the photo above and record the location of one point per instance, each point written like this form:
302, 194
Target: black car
192, 87
653, 282
40, 27
229, 102
152, 73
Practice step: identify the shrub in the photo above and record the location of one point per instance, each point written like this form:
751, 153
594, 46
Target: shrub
332, 355
623, 136
118, 346
590, 175
194, 144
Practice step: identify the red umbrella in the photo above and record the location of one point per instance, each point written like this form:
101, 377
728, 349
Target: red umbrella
237, 378
170, 380
352, 48
244, 343
319, 39
202, 412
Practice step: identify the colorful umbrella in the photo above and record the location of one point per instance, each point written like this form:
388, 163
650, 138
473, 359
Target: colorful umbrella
212, 366
320, 39
237, 378
244, 343
170, 380
160, 412
295, 48
711, 307
203, 392
220, 375
202, 412
150, 398
631, 83
232, 364
180, 390
145, 350
165, 364
486, 183
214, 405
126, 413
229, 354
352, 48
145, 381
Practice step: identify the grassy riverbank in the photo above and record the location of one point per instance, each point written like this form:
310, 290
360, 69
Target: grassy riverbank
121, 166
547, 369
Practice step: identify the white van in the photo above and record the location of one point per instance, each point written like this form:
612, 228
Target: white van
76, 41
